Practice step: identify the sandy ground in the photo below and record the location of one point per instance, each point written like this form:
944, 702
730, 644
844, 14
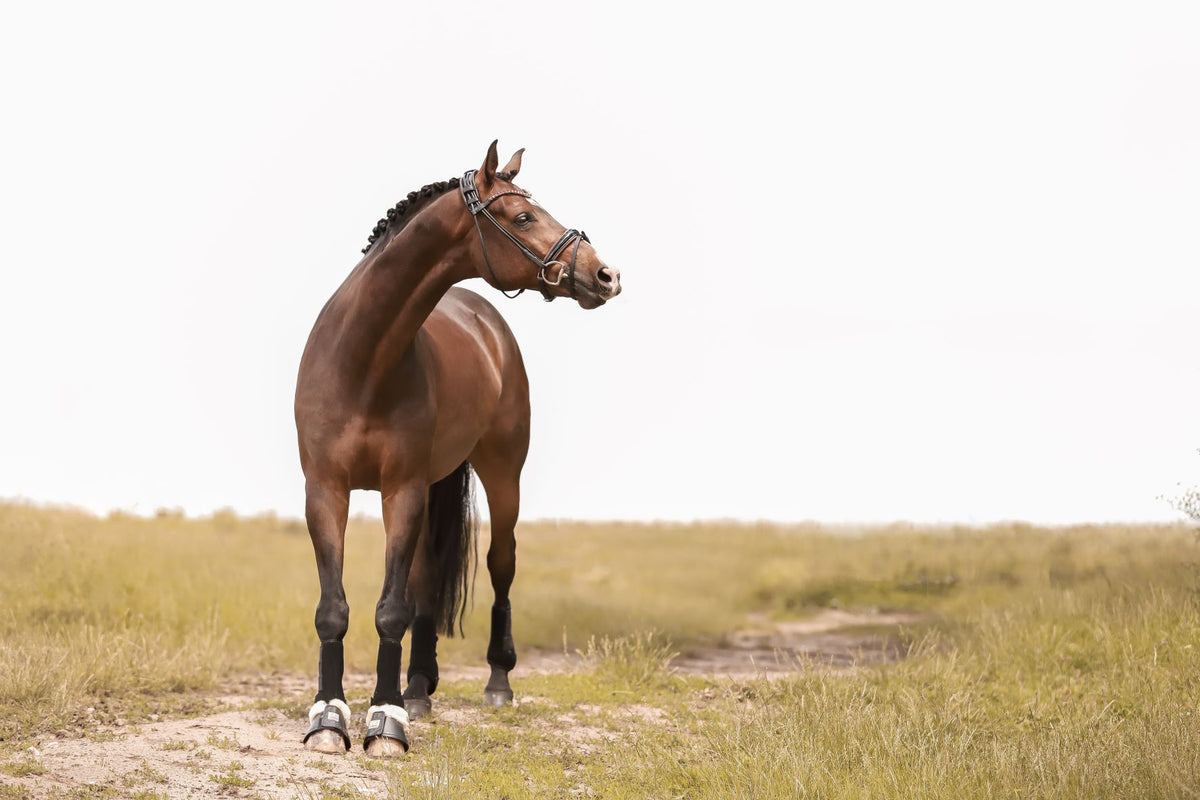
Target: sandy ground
246, 750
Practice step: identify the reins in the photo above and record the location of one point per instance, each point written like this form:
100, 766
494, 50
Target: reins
478, 206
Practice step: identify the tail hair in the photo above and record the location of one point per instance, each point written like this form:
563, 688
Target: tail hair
452, 528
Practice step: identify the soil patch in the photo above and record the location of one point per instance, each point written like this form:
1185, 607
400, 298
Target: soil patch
831, 639
250, 747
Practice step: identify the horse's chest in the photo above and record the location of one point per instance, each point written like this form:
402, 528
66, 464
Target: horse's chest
369, 449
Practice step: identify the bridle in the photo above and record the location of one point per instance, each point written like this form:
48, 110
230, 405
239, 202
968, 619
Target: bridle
477, 206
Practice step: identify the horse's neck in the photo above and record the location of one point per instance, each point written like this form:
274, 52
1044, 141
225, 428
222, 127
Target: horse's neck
391, 295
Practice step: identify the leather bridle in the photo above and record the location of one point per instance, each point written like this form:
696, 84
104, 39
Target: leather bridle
478, 206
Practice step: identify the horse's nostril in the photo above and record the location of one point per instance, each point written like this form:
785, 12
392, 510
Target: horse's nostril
604, 275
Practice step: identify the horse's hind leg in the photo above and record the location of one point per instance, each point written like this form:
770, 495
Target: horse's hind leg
326, 507
438, 583
422, 658
500, 474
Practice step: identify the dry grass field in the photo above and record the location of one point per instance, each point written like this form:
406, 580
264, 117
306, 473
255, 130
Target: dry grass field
169, 658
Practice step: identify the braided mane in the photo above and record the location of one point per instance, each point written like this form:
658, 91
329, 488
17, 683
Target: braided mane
399, 215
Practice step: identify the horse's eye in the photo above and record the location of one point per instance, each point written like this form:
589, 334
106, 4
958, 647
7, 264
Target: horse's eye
523, 219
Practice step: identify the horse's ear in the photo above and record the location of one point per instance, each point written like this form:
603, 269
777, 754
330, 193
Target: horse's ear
488, 171
512, 167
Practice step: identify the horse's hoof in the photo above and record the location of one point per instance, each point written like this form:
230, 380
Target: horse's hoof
416, 696
498, 692
418, 707
387, 732
327, 727
326, 741
385, 748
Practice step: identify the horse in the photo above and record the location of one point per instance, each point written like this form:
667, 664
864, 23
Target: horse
407, 385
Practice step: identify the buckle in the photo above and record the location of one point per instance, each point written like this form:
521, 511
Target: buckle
470, 194
562, 270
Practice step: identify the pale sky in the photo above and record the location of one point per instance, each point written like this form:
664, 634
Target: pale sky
882, 261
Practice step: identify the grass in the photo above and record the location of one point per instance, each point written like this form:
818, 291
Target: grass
232, 777
143, 774
1074, 697
21, 768
1060, 663
223, 742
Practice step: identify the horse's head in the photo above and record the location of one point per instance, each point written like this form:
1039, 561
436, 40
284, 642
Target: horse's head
523, 247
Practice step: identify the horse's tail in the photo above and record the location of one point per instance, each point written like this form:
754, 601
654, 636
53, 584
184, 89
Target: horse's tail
452, 529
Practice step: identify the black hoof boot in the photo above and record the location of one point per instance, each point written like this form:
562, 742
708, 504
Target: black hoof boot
497, 692
327, 728
387, 731
416, 697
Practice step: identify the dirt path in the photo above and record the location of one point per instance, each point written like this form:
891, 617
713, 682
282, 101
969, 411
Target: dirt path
833, 639
249, 748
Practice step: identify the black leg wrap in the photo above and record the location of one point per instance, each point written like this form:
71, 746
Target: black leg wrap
329, 672
502, 652
387, 674
423, 658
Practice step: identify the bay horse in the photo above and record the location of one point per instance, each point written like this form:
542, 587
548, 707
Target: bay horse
407, 385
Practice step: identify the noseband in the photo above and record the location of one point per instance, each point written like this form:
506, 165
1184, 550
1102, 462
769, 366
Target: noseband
477, 206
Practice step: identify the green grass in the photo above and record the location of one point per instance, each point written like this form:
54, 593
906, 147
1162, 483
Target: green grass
223, 742
143, 774
21, 768
1058, 663
232, 777
1071, 697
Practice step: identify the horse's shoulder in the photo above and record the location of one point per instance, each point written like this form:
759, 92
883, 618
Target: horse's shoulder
469, 309
467, 299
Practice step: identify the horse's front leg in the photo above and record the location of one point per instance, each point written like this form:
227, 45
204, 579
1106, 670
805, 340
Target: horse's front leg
326, 506
404, 520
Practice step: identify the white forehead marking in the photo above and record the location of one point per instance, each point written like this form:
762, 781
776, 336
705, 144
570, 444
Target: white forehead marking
535, 202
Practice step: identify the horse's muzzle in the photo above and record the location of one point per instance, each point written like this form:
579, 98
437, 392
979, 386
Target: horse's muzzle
608, 280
